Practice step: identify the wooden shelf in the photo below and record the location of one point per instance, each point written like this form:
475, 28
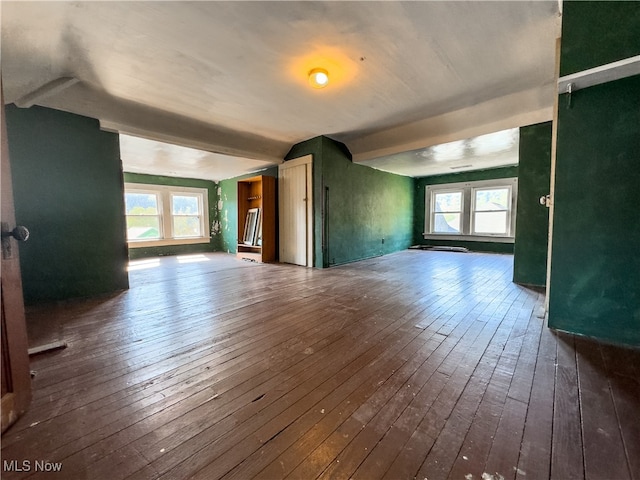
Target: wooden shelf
602, 74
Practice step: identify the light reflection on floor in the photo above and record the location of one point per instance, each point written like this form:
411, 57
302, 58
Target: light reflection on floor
147, 263
192, 258
143, 264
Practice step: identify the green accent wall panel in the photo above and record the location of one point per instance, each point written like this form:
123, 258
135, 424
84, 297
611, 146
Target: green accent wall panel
369, 212
595, 269
213, 189
360, 212
68, 190
532, 224
595, 33
419, 207
229, 215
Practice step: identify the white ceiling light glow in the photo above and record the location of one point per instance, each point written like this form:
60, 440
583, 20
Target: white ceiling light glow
318, 78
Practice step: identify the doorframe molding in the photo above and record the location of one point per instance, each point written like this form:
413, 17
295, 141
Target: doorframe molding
14, 345
296, 162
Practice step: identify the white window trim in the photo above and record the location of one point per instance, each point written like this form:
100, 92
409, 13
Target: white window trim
468, 189
164, 193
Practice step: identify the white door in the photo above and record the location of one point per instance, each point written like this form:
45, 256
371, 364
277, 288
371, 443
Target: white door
295, 195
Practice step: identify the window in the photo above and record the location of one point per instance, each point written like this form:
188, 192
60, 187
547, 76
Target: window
162, 215
491, 211
447, 212
143, 215
187, 215
482, 210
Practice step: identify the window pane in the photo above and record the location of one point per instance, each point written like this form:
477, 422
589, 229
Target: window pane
185, 205
186, 226
448, 202
143, 228
490, 222
141, 203
446, 223
493, 199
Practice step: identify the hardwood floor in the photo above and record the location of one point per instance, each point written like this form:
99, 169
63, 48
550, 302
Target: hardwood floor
420, 364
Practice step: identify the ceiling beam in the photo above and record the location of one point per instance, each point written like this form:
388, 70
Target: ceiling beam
120, 115
514, 110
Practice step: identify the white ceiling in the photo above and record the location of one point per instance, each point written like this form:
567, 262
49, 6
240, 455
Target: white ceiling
491, 150
141, 155
231, 77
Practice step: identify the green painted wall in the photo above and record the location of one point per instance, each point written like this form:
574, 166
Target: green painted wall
595, 269
366, 212
419, 207
597, 33
595, 264
532, 224
228, 210
229, 215
68, 191
216, 241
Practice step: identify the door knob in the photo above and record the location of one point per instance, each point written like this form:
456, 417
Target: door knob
20, 233
545, 200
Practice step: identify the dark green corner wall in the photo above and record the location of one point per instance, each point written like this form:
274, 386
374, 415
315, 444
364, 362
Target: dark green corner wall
419, 207
366, 212
532, 219
595, 269
227, 239
596, 33
215, 243
68, 190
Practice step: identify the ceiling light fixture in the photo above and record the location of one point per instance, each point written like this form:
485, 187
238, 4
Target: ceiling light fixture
318, 78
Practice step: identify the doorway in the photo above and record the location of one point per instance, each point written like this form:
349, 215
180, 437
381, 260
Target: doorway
295, 193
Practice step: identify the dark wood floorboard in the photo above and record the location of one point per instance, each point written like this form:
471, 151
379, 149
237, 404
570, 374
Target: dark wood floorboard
567, 460
535, 449
416, 365
604, 454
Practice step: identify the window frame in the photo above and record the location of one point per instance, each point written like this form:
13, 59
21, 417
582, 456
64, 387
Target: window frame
164, 194
432, 217
201, 209
474, 210
468, 189
147, 191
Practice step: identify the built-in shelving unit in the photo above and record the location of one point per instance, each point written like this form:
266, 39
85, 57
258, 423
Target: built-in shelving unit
257, 219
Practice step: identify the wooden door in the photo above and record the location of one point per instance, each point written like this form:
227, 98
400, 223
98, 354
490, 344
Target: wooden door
296, 211
16, 381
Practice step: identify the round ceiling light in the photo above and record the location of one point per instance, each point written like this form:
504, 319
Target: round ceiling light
318, 78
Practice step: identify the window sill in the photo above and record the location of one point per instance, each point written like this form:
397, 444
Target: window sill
468, 238
167, 242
